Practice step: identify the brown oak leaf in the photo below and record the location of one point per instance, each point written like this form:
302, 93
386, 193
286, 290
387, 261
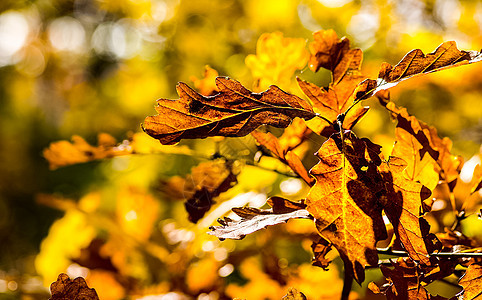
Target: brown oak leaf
254, 219
472, 282
403, 205
426, 140
345, 65
67, 289
344, 200
320, 250
294, 294
416, 63
407, 281
233, 111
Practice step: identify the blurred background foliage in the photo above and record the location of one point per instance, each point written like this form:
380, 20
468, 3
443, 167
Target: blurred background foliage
81, 67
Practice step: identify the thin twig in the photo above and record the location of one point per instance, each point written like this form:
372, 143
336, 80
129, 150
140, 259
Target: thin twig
347, 283
435, 254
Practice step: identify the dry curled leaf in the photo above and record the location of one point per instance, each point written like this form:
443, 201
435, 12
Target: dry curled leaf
344, 200
416, 63
234, 111
326, 50
294, 294
67, 289
253, 219
405, 281
320, 250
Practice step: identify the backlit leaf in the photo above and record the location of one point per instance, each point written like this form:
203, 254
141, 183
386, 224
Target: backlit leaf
405, 282
253, 219
425, 139
67, 289
344, 201
416, 63
402, 205
345, 64
234, 111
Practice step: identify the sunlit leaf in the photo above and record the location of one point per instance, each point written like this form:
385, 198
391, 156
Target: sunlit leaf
425, 141
345, 64
416, 63
77, 289
344, 200
294, 294
403, 206
476, 183
234, 111
404, 280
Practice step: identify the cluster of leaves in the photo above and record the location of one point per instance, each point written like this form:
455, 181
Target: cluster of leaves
357, 198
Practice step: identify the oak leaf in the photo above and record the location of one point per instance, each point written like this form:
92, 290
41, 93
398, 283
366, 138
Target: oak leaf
326, 50
344, 200
345, 65
402, 203
472, 282
320, 250
253, 219
425, 139
406, 281
416, 63
67, 289
293, 294
234, 111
